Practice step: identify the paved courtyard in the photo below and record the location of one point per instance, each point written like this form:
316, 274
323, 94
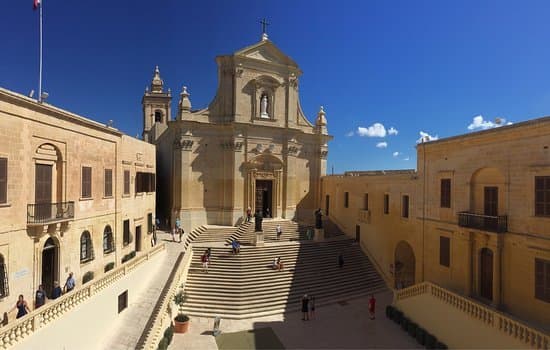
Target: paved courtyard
344, 325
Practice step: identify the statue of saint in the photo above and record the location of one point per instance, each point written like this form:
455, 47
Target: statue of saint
318, 218
258, 218
263, 107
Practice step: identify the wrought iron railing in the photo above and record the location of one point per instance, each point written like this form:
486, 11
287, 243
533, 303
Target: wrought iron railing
498, 224
43, 213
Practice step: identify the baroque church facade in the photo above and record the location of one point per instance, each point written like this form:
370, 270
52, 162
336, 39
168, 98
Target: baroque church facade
252, 147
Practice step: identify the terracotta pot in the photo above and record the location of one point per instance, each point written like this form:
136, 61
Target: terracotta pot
181, 327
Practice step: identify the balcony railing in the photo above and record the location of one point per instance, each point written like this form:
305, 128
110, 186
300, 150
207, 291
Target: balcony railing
498, 224
363, 216
45, 213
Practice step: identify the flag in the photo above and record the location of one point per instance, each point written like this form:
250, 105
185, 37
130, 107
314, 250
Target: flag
35, 4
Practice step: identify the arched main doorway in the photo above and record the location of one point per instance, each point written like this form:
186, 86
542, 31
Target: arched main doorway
50, 265
404, 265
486, 273
264, 184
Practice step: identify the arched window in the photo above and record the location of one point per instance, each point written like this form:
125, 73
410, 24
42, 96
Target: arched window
4, 290
108, 245
86, 249
158, 116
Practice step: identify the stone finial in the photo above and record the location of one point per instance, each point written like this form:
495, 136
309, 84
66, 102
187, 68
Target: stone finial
321, 119
264, 37
157, 83
184, 103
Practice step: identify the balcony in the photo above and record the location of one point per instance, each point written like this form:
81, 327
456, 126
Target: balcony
49, 213
498, 224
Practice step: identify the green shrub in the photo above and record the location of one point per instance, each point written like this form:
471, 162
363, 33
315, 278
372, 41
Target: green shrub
169, 334
397, 316
180, 297
411, 329
128, 256
163, 344
389, 311
440, 345
404, 323
109, 266
88, 276
430, 341
182, 318
420, 332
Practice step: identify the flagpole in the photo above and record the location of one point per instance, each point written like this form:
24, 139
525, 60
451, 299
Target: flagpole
40, 69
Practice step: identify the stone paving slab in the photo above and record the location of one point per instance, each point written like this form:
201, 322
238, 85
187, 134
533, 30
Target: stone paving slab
336, 326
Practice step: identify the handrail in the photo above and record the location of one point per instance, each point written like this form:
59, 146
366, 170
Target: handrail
38, 318
528, 335
163, 317
43, 213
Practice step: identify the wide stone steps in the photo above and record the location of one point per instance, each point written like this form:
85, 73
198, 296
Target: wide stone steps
245, 285
215, 234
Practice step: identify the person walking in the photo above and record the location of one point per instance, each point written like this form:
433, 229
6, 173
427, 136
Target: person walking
70, 283
181, 233
248, 214
154, 241
341, 260
21, 306
40, 297
312, 307
279, 231
56, 292
305, 307
204, 260
372, 306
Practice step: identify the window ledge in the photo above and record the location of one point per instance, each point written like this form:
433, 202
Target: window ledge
5, 205
139, 194
126, 195
83, 199
108, 197
108, 252
85, 262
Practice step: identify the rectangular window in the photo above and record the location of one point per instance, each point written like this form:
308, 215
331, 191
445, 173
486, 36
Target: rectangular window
366, 200
145, 182
3, 180
542, 280
126, 181
346, 200
86, 182
444, 251
108, 182
542, 195
150, 223
405, 207
4, 286
445, 193
386, 204
126, 233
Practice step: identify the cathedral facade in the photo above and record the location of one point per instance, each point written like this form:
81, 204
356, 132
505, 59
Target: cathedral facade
252, 147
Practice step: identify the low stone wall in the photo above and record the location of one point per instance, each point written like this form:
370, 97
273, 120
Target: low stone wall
464, 323
26, 326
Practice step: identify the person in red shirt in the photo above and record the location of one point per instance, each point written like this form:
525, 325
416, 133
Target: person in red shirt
372, 305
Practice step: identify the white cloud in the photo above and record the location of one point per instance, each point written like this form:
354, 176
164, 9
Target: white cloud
392, 131
479, 123
425, 137
382, 144
395, 154
350, 134
407, 158
375, 130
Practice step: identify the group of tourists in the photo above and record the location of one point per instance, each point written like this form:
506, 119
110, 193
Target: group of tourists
22, 306
177, 229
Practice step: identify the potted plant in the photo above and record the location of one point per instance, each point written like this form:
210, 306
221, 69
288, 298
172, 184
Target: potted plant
181, 321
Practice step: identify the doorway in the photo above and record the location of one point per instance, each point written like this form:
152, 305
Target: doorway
264, 197
50, 263
486, 274
490, 206
43, 192
138, 238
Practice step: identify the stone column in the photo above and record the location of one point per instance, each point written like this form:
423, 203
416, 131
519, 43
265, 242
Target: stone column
469, 265
496, 273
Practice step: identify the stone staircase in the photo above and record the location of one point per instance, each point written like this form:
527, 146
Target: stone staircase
292, 231
245, 285
211, 233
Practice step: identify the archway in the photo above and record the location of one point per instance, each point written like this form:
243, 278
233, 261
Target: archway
486, 273
404, 265
50, 265
264, 184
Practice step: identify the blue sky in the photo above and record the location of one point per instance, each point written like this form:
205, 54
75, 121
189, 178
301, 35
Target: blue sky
430, 66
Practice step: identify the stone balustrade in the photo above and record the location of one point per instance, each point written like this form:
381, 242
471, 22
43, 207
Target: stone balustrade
32, 322
520, 331
163, 315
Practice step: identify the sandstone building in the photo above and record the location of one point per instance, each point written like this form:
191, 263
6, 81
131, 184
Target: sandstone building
251, 147
474, 218
75, 196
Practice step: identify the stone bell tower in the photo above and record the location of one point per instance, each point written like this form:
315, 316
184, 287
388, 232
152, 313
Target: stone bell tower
156, 108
